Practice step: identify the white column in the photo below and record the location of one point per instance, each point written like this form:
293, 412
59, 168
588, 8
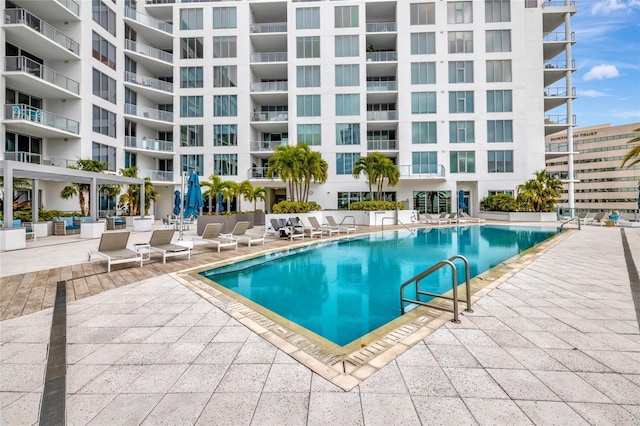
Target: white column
568, 80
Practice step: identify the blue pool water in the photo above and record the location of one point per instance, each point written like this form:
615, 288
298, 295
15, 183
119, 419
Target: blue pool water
342, 290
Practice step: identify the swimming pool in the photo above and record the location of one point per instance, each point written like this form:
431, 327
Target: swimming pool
342, 290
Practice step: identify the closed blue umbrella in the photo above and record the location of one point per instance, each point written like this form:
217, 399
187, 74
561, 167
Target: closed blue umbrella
461, 203
193, 197
176, 202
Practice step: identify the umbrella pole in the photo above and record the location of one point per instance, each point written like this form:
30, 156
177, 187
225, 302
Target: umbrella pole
180, 238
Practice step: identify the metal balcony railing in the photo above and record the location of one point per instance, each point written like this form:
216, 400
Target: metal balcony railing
560, 64
382, 27
558, 3
39, 116
152, 52
270, 116
148, 20
422, 170
268, 57
270, 86
30, 157
271, 27
382, 56
21, 16
156, 175
71, 5
382, 115
259, 173
381, 86
559, 36
382, 145
146, 112
148, 144
560, 92
161, 1
24, 64
264, 145
147, 81
559, 119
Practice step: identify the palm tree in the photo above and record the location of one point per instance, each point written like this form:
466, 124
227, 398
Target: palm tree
297, 166
313, 167
216, 186
257, 193
377, 167
388, 171
540, 193
368, 166
19, 185
245, 188
285, 163
230, 190
79, 189
634, 152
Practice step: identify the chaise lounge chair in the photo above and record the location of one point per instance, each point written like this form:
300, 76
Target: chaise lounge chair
598, 219
341, 227
113, 247
465, 217
161, 242
427, 218
239, 233
324, 229
211, 235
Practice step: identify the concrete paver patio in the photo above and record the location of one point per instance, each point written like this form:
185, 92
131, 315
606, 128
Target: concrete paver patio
556, 343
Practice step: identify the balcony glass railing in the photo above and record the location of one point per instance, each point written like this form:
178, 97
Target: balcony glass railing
381, 86
559, 36
152, 52
148, 144
21, 16
268, 57
24, 64
45, 160
382, 115
71, 5
161, 1
264, 145
149, 113
146, 81
382, 145
558, 3
39, 116
270, 116
559, 120
382, 27
560, 92
259, 173
422, 170
270, 86
156, 175
559, 64
271, 27
148, 20
382, 56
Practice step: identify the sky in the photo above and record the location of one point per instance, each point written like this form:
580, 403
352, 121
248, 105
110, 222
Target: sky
607, 56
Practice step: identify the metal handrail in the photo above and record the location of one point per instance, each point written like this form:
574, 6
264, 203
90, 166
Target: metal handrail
576, 218
353, 220
454, 282
397, 221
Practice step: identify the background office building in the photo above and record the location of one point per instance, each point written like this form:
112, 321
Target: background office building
601, 183
458, 94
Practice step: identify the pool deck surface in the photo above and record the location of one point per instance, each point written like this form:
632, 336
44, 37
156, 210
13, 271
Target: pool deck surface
556, 342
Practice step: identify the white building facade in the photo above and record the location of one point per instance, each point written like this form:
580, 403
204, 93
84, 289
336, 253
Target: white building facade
458, 94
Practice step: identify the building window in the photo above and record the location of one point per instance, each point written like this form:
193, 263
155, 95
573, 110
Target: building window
498, 41
460, 41
225, 47
191, 48
347, 198
497, 10
348, 134
499, 101
348, 75
423, 132
104, 86
192, 135
459, 12
225, 135
348, 104
499, 131
461, 132
105, 154
130, 159
225, 106
104, 122
461, 72
347, 45
16, 142
500, 161
423, 43
104, 51
307, 18
423, 13
191, 106
190, 77
499, 71
308, 47
225, 76
104, 16
308, 76
423, 103
424, 162
309, 134
462, 161
461, 101
190, 19
346, 17
501, 191
308, 105
225, 164
192, 163
423, 73
344, 162
224, 17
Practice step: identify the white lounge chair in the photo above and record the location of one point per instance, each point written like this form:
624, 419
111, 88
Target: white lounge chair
211, 235
427, 218
161, 242
341, 227
324, 229
465, 217
598, 219
113, 247
239, 233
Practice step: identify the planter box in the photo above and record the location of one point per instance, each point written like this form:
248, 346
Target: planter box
13, 238
130, 219
41, 229
519, 216
142, 225
91, 229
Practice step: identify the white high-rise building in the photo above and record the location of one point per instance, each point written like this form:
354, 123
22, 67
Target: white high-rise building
459, 94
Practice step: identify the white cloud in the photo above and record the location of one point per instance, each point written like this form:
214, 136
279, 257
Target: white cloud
605, 7
600, 72
627, 114
591, 93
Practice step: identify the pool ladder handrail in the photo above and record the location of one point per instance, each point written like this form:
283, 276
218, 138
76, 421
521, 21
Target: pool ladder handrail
398, 221
576, 218
454, 282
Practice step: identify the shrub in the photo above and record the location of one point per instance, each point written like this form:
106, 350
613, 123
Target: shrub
499, 203
296, 207
375, 205
43, 215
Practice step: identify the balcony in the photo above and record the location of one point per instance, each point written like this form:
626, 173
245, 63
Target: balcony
143, 144
382, 56
424, 171
159, 91
33, 158
265, 57
557, 123
150, 56
382, 145
382, 86
556, 96
270, 116
382, 115
29, 76
555, 43
147, 21
270, 27
259, 173
270, 86
264, 147
26, 30
154, 118
37, 122
382, 27
55, 11
554, 13
156, 175
556, 70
